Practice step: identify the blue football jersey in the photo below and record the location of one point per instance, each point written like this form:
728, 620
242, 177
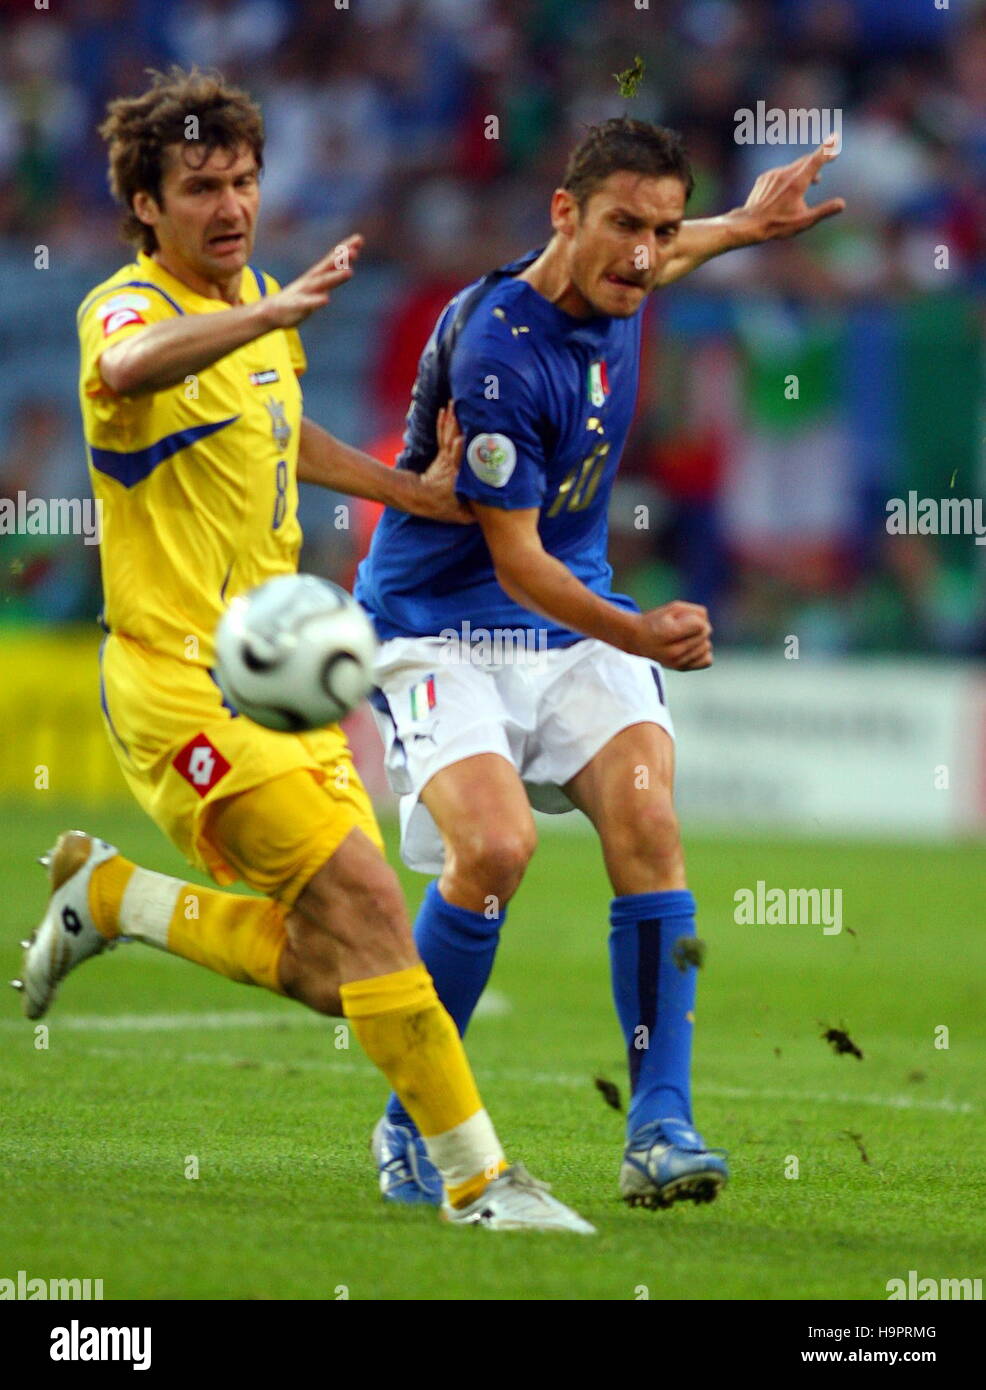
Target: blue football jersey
544, 401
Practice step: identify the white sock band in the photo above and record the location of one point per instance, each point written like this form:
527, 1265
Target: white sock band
148, 905
470, 1148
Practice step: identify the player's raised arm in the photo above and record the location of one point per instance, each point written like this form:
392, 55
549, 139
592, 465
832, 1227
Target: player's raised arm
677, 635
775, 209
328, 462
166, 352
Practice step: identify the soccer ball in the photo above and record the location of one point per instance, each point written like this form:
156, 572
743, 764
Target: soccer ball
295, 653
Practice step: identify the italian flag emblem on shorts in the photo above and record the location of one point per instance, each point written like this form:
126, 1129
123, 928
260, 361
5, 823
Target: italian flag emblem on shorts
423, 697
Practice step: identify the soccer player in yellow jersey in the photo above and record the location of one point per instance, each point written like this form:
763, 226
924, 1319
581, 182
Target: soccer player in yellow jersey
193, 418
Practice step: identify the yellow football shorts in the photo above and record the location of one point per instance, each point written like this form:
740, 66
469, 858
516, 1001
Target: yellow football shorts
239, 801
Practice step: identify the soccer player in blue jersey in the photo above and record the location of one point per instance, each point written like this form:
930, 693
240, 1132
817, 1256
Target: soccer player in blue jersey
541, 358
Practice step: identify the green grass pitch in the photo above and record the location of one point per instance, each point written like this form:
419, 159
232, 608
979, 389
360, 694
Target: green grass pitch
151, 1061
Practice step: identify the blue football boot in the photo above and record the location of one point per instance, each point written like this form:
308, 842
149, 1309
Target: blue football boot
407, 1174
666, 1161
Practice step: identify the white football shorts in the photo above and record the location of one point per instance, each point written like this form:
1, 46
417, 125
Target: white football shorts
547, 712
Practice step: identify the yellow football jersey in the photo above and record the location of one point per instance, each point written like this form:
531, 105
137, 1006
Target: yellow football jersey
197, 482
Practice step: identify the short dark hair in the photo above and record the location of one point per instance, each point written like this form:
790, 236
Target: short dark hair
624, 144
139, 129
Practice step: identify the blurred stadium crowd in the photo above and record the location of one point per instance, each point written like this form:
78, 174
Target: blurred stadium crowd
769, 509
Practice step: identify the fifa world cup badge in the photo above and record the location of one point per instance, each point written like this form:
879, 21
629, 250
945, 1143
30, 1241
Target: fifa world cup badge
492, 457
279, 426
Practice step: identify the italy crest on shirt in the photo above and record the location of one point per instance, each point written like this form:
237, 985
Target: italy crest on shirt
598, 382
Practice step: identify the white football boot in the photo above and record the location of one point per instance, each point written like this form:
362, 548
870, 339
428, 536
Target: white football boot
517, 1202
67, 934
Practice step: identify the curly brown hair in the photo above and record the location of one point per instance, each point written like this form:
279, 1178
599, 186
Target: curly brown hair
623, 144
138, 130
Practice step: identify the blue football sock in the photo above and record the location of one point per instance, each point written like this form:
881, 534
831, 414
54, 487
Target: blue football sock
655, 1000
458, 946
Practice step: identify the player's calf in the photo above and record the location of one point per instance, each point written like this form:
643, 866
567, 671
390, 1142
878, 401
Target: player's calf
349, 922
308, 970
355, 902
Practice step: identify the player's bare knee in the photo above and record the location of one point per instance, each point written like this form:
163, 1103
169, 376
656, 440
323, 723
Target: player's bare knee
493, 858
652, 832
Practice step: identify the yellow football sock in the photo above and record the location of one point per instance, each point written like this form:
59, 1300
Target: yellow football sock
239, 937
406, 1031
106, 889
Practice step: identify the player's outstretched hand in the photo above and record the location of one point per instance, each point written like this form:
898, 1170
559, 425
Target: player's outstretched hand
678, 635
437, 496
776, 207
293, 304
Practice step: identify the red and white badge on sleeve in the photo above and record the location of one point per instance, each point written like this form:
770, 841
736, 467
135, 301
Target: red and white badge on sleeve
201, 764
121, 310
